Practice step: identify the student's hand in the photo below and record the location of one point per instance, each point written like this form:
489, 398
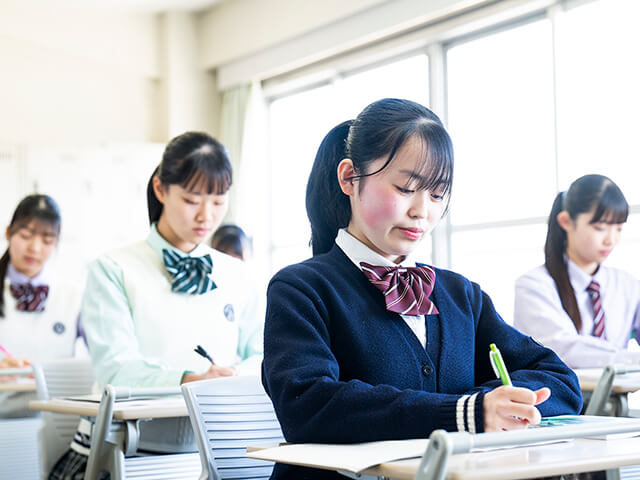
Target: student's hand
10, 362
510, 408
214, 372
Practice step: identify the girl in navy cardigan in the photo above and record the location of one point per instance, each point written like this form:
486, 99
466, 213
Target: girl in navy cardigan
352, 357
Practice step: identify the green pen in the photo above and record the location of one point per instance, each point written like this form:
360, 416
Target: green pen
498, 364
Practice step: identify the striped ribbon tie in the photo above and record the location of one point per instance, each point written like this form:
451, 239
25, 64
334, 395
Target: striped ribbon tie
598, 311
30, 298
190, 274
406, 290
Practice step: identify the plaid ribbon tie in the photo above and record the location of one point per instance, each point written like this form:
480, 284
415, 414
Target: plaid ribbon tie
190, 274
30, 298
406, 290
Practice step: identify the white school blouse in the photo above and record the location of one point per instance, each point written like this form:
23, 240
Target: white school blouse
41, 336
358, 252
539, 313
140, 333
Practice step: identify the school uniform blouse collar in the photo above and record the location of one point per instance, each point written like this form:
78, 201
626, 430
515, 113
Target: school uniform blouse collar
580, 280
17, 278
158, 244
358, 252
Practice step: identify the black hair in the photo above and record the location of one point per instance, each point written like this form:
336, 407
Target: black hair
189, 159
40, 208
381, 129
232, 240
595, 193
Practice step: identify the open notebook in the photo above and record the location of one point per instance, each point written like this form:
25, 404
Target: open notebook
355, 458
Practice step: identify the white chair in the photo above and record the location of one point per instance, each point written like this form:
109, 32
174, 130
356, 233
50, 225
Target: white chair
114, 443
228, 414
19, 441
60, 378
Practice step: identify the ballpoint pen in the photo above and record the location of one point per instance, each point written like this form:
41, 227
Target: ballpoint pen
5, 351
498, 364
202, 352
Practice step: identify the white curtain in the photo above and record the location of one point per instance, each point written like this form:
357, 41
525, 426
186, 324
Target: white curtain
244, 132
232, 129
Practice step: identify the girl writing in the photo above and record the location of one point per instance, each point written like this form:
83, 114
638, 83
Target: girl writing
361, 342
38, 309
575, 305
148, 305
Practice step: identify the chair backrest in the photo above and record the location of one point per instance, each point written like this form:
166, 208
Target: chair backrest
60, 378
19, 451
228, 414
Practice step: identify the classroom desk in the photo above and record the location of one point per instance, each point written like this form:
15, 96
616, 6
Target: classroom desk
134, 410
116, 431
487, 456
26, 386
579, 455
621, 387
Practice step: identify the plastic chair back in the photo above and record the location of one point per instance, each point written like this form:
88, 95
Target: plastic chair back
60, 378
228, 414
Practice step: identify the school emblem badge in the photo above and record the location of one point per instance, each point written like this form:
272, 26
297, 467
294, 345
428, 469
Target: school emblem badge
59, 328
229, 314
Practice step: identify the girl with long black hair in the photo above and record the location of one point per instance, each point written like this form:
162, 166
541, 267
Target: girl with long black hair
583, 310
363, 342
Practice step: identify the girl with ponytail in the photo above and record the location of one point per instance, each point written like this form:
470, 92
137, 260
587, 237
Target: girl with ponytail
147, 305
363, 342
573, 304
38, 310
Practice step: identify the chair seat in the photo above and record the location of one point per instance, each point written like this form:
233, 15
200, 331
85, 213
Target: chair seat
182, 466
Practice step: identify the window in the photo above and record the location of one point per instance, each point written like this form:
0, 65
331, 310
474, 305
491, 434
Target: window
500, 97
299, 122
531, 106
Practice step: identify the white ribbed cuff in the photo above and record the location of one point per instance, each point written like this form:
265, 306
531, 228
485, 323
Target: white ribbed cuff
460, 413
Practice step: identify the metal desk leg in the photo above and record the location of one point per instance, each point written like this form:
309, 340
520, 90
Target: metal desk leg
613, 474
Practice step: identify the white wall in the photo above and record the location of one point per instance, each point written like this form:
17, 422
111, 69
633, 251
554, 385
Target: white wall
77, 77
87, 100
189, 95
257, 39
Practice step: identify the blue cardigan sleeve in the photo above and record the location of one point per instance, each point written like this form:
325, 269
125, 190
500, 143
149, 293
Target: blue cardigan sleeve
313, 404
530, 364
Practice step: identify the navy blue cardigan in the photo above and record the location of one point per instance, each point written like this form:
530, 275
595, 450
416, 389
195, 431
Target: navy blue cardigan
340, 368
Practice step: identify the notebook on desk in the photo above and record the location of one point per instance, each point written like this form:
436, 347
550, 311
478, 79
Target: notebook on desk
355, 458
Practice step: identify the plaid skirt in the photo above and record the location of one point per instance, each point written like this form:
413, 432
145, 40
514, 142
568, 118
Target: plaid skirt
72, 466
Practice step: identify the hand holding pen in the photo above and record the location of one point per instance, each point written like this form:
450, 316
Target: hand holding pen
508, 407
214, 371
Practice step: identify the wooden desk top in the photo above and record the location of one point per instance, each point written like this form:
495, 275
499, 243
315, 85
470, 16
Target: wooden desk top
26, 386
580, 455
589, 377
124, 410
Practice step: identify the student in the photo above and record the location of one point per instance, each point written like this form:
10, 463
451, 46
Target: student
342, 362
38, 309
573, 303
232, 240
148, 305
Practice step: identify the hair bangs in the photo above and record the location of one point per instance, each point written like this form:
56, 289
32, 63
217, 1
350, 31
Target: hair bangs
612, 207
199, 173
435, 170
40, 209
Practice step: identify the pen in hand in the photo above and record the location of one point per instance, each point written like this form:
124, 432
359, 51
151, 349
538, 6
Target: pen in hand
203, 353
498, 365
5, 351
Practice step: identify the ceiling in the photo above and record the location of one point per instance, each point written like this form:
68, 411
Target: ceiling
120, 5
